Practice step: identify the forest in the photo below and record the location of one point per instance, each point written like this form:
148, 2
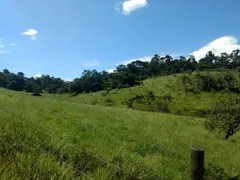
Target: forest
123, 76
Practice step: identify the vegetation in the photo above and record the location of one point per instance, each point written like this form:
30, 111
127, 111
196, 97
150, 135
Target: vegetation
124, 76
224, 81
92, 128
50, 137
226, 117
162, 94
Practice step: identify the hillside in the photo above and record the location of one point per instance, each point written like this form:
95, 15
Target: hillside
60, 137
169, 88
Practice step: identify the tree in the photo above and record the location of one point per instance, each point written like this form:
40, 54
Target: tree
154, 65
132, 74
225, 117
6, 71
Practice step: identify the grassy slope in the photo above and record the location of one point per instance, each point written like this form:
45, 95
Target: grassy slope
184, 103
43, 138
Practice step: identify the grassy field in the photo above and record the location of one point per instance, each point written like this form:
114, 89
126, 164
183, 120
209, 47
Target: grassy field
62, 137
182, 103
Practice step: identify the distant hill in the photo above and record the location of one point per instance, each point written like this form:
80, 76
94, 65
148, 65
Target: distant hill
170, 93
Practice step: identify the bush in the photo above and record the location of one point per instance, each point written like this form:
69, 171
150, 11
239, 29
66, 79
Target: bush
213, 172
225, 117
210, 82
36, 94
104, 93
238, 69
73, 94
109, 101
162, 105
149, 102
129, 103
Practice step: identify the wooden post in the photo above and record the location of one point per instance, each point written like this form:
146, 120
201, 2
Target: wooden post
197, 163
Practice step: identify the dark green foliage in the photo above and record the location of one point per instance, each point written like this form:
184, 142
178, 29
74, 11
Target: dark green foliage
224, 81
213, 172
108, 100
149, 102
225, 117
132, 74
238, 69
161, 105
202, 112
104, 93
36, 94
73, 94
129, 103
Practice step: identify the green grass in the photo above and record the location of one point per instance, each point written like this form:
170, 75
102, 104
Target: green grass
182, 103
60, 137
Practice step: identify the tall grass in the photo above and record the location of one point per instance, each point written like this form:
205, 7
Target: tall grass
182, 102
51, 138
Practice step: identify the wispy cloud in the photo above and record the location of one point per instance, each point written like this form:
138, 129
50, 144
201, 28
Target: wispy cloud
32, 33
3, 52
223, 44
92, 63
2, 47
12, 44
144, 59
128, 6
147, 58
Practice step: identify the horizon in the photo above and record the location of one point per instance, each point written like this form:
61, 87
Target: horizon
40, 38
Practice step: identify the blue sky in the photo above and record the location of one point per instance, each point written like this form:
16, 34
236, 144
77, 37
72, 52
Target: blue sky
64, 37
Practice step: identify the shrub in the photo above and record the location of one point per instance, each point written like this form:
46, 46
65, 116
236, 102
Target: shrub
210, 82
162, 105
213, 172
225, 117
129, 103
238, 69
73, 94
104, 93
109, 101
36, 94
149, 102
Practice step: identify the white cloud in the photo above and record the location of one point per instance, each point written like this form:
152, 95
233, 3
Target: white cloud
144, 59
93, 63
128, 6
68, 80
12, 44
111, 70
3, 52
224, 44
32, 33
37, 76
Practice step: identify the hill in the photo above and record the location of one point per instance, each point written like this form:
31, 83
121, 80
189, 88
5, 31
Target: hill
60, 137
163, 94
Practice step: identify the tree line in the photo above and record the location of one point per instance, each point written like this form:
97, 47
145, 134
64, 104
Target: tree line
124, 76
